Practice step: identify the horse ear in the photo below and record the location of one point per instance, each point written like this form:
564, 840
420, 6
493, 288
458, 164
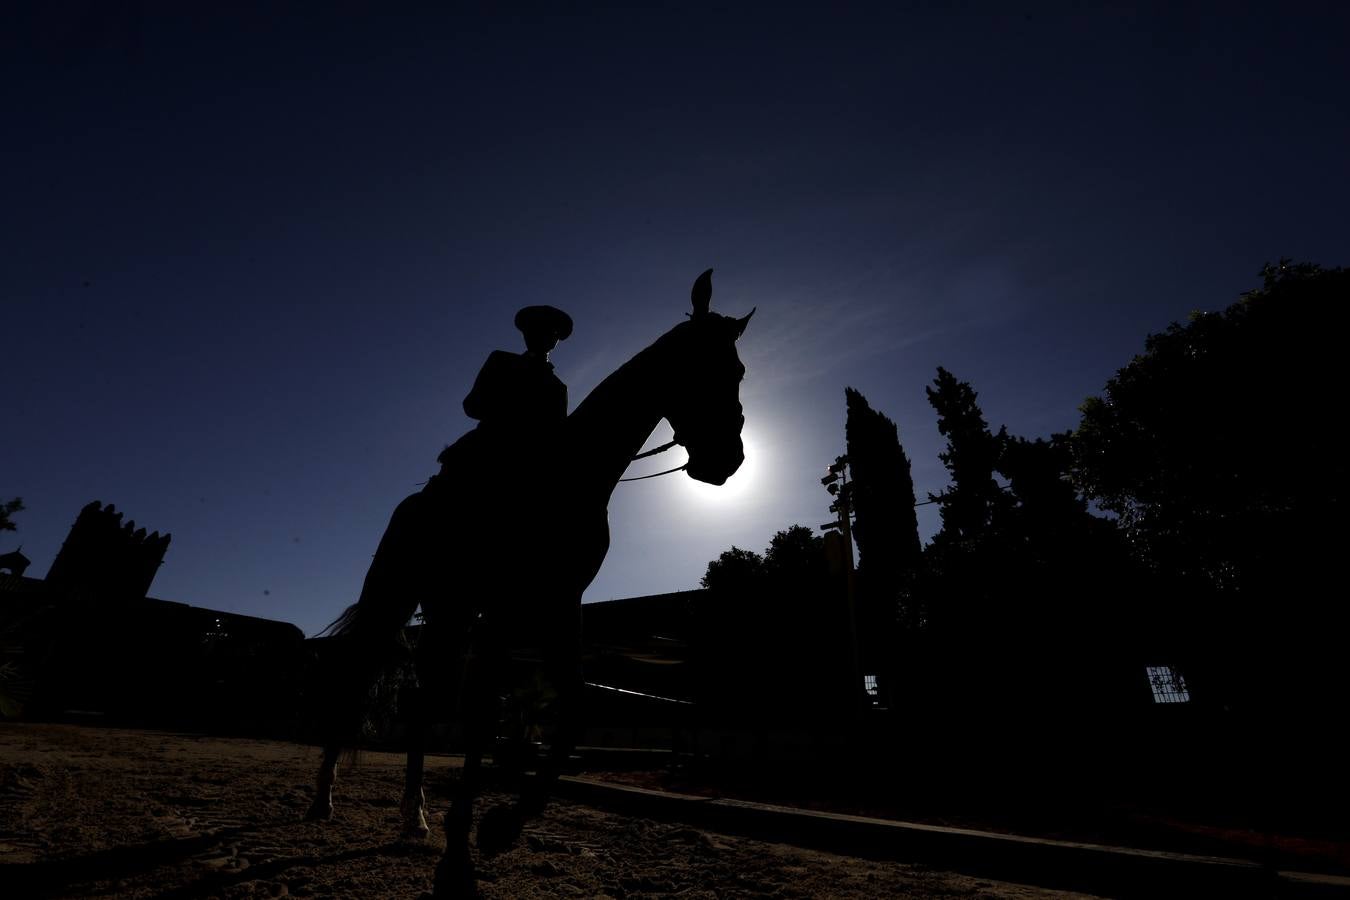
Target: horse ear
741, 323
702, 293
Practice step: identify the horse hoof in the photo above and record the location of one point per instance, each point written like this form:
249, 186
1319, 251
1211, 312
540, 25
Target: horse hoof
455, 878
414, 812
319, 812
499, 829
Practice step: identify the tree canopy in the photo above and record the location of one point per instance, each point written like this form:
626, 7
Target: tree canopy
1219, 447
1220, 443
793, 554
7, 510
1020, 570
969, 506
772, 619
733, 569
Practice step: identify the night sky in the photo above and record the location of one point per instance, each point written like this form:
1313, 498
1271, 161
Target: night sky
251, 259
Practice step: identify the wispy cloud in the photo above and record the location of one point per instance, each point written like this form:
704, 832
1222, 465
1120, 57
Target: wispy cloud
809, 330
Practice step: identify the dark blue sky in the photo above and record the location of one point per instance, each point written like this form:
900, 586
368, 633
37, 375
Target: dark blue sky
252, 259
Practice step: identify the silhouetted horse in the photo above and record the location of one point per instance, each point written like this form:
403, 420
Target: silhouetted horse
498, 552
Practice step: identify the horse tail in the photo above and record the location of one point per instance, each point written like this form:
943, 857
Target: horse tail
365, 646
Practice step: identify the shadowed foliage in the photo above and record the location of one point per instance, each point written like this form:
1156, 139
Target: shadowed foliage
972, 502
772, 625
886, 531
1020, 581
734, 570
1220, 450
7, 511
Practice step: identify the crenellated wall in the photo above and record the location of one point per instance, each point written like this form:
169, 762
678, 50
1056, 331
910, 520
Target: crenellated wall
106, 557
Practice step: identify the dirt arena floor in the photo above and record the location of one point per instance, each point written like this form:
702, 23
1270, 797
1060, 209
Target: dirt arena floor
100, 812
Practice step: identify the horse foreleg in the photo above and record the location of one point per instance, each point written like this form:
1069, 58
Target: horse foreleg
455, 878
502, 825
566, 678
322, 807
454, 873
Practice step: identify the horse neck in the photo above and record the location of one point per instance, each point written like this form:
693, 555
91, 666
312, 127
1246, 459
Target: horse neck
610, 426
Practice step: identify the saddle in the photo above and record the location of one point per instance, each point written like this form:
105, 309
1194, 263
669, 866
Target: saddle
513, 465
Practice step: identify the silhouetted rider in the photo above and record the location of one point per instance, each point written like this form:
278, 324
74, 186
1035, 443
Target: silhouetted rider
517, 399
517, 393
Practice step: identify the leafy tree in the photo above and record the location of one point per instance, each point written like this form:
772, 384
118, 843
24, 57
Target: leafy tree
970, 506
15, 683
1218, 444
772, 620
1078, 586
734, 570
7, 510
964, 588
962, 565
793, 555
1021, 577
1219, 447
1047, 509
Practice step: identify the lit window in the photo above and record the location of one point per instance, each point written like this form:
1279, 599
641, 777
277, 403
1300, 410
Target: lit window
215, 632
1168, 685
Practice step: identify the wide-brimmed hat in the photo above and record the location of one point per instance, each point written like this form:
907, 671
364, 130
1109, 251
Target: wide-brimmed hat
533, 319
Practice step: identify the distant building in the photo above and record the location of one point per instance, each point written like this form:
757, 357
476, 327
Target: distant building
104, 556
90, 639
15, 563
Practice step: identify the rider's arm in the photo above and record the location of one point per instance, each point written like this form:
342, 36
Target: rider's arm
485, 399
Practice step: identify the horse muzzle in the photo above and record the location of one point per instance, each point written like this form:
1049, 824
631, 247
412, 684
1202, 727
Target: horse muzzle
714, 465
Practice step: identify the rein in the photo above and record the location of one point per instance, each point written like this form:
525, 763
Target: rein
657, 474
652, 452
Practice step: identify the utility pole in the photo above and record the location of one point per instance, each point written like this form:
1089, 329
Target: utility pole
839, 546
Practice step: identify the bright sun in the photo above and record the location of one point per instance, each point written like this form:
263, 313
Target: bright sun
738, 486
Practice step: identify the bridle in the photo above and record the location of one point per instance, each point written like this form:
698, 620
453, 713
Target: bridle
702, 292
652, 452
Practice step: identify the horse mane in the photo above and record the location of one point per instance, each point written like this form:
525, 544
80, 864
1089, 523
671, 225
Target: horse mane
682, 331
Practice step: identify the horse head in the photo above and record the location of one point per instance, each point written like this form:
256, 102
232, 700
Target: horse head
702, 401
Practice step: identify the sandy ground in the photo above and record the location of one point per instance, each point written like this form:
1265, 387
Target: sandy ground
88, 812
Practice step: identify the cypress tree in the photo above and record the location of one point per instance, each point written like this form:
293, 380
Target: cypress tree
887, 529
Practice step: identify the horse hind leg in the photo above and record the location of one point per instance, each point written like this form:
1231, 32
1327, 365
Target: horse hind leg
321, 810
414, 804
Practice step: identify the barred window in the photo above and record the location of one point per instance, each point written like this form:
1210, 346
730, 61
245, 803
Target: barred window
870, 685
1168, 685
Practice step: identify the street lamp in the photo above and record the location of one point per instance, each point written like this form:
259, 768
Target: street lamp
839, 549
